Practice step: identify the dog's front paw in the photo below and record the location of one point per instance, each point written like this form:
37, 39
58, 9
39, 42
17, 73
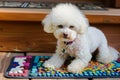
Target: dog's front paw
77, 66
74, 68
48, 64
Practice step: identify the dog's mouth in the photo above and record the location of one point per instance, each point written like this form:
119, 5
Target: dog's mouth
68, 42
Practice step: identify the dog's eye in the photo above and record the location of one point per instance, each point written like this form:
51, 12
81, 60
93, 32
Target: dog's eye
71, 27
60, 26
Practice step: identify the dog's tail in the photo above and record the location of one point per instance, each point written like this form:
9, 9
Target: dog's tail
114, 53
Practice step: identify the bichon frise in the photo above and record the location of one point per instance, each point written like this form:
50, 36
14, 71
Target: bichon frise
75, 38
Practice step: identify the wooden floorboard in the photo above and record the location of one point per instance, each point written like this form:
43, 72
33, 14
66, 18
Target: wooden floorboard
40, 54
2, 56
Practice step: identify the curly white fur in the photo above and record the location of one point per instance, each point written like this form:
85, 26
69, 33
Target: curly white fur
86, 39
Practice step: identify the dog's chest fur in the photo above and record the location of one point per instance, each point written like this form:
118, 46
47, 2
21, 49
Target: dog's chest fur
70, 49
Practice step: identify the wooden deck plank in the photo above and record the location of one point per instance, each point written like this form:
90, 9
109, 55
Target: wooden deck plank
40, 54
5, 63
2, 56
15, 14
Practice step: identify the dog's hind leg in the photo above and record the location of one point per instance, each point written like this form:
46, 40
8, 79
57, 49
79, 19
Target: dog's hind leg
106, 53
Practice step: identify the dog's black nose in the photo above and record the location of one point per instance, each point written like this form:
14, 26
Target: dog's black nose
65, 35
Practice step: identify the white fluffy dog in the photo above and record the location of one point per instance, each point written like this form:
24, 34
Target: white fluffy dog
75, 38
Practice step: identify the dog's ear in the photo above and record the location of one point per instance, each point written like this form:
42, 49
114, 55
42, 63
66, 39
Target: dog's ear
46, 22
84, 26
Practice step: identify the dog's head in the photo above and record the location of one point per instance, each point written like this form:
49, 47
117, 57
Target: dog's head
65, 21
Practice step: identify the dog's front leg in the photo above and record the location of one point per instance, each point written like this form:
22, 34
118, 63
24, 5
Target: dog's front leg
79, 63
55, 61
77, 66
82, 57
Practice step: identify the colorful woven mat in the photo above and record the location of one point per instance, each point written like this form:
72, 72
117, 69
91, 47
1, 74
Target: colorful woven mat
32, 67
